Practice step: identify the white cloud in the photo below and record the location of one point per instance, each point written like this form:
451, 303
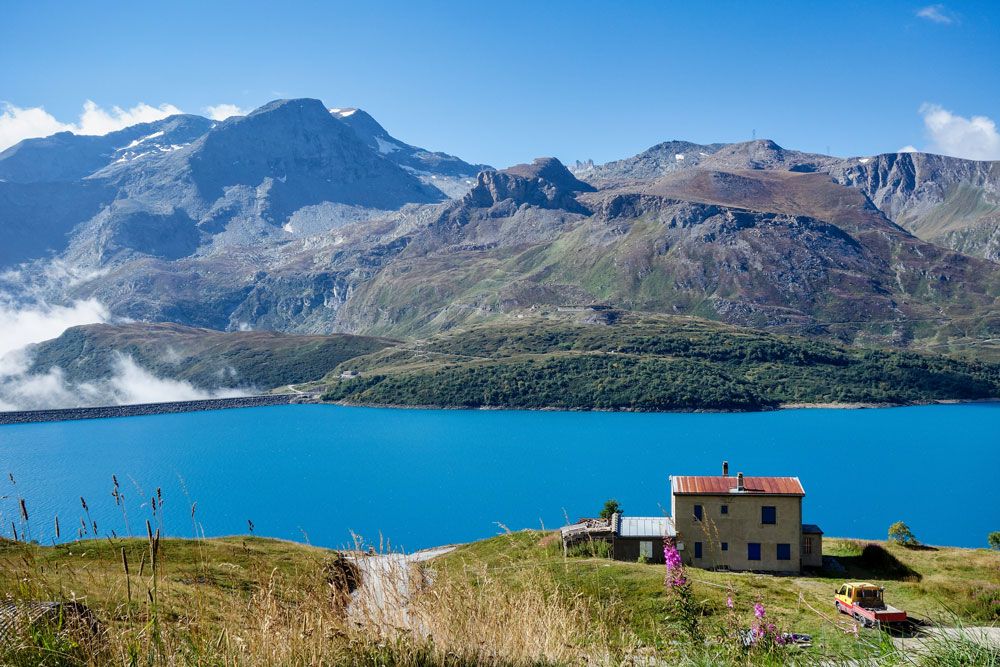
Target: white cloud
909, 148
17, 123
25, 325
129, 384
133, 384
95, 120
937, 14
224, 111
975, 138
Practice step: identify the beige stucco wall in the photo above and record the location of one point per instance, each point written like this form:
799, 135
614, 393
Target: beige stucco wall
740, 526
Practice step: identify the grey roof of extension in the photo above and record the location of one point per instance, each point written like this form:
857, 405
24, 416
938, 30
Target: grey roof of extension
646, 526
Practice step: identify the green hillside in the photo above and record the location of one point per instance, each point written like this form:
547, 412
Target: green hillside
633, 362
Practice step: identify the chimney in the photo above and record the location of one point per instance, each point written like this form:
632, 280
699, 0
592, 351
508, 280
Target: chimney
739, 482
725, 468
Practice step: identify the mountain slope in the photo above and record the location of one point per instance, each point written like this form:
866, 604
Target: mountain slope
445, 172
952, 202
760, 248
948, 201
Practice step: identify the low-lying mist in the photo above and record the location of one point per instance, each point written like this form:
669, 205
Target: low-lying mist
22, 325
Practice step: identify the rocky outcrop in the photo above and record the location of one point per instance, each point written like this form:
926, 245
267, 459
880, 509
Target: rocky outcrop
545, 183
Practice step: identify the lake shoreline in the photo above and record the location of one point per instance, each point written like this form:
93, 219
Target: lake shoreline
264, 400
780, 407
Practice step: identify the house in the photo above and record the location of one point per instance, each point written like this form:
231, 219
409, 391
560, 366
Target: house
629, 537
743, 523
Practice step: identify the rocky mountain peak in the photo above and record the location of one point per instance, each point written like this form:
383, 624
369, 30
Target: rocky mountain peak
310, 155
552, 171
765, 154
545, 183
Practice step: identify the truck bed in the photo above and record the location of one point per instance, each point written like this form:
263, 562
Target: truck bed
887, 615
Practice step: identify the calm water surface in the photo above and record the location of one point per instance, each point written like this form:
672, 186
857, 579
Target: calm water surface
425, 477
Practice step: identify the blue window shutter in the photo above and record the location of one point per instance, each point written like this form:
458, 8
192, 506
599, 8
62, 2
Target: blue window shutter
725, 509
725, 546
697, 549
784, 552
769, 514
697, 512
753, 551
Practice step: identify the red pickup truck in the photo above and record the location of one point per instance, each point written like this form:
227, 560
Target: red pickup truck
864, 602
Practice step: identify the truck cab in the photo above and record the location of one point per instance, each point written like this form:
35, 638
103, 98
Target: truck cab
868, 596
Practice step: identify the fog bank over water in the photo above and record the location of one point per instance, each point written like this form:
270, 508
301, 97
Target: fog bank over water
24, 324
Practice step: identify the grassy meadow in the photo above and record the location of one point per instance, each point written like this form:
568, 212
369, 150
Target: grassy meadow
510, 600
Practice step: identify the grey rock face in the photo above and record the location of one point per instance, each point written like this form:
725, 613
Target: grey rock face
948, 201
545, 183
419, 160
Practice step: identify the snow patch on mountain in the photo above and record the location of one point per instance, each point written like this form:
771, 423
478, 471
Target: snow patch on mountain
386, 147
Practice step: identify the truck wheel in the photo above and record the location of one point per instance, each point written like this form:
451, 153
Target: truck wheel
840, 608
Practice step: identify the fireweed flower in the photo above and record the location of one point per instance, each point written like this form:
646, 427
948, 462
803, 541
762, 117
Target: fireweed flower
729, 601
675, 568
758, 610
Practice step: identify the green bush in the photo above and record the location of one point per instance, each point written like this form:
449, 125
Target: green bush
900, 533
611, 506
590, 549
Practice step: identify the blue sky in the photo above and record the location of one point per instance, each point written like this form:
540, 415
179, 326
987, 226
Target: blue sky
503, 82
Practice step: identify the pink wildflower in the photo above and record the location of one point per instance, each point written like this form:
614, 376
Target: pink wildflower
729, 601
758, 610
671, 556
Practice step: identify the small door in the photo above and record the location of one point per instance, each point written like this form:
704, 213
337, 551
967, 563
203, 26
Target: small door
646, 549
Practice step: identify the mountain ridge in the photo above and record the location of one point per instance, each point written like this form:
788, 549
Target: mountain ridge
297, 218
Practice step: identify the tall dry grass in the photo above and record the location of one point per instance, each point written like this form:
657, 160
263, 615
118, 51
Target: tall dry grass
403, 613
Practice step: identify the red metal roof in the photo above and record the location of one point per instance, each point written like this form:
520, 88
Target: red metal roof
768, 486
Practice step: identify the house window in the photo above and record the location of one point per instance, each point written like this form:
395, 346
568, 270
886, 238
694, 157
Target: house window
697, 512
725, 546
807, 546
646, 549
724, 509
753, 551
697, 549
769, 514
784, 552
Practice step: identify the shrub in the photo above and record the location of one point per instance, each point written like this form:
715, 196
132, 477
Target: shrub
900, 533
611, 506
993, 539
590, 549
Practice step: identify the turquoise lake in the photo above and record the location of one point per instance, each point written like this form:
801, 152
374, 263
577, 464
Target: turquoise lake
418, 478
